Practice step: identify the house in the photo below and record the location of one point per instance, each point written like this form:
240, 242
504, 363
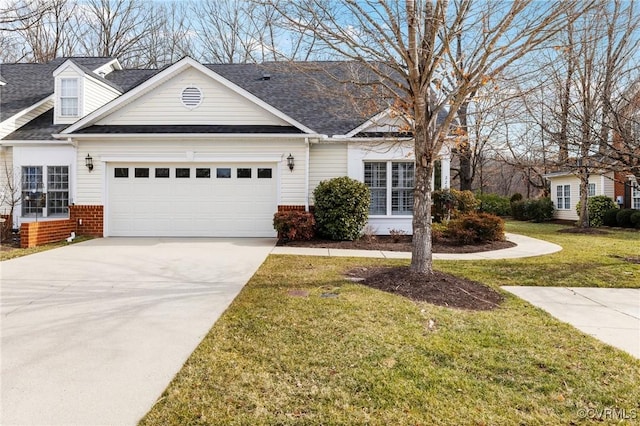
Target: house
193, 149
565, 190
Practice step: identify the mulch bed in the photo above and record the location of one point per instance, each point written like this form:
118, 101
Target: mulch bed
403, 243
439, 288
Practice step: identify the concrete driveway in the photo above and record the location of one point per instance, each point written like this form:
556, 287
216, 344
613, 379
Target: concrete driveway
609, 314
92, 333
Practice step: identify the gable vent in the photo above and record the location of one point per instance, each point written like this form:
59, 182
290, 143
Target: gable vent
191, 97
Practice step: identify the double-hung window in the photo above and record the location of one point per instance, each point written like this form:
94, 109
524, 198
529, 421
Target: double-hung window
45, 193
563, 201
69, 105
391, 186
591, 189
635, 196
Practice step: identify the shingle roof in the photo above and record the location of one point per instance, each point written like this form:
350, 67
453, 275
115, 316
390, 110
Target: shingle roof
28, 84
190, 128
39, 129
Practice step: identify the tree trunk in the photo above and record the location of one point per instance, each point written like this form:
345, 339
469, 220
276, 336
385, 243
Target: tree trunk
584, 197
464, 150
421, 255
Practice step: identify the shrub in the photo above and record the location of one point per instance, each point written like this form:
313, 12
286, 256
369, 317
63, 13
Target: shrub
624, 218
516, 197
518, 210
294, 225
635, 219
494, 204
341, 208
539, 209
475, 228
397, 235
609, 217
448, 203
437, 231
597, 206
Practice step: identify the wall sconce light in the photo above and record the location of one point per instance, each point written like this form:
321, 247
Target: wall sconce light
290, 162
88, 161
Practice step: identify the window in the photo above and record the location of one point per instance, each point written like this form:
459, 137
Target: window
121, 172
183, 172
563, 193
69, 97
375, 177
141, 172
162, 172
203, 173
635, 196
32, 191
57, 190
390, 181
402, 188
243, 173
591, 190
223, 173
264, 173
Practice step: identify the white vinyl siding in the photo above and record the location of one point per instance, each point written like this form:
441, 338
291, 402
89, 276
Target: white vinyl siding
220, 105
10, 125
326, 162
96, 94
8, 179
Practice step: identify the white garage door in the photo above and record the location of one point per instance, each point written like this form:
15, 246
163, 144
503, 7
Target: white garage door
185, 200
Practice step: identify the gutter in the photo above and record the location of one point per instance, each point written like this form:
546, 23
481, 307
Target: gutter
306, 175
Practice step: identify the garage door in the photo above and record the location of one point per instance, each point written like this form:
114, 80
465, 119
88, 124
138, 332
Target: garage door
178, 200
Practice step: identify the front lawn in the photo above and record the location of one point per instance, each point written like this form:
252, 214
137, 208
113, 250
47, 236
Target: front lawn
288, 351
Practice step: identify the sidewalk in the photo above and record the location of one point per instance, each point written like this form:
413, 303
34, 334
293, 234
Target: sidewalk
526, 247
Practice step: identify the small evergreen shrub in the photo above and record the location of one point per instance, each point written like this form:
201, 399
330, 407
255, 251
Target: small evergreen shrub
494, 204
518, 210
609, 217
635, 219
475, 228
516, 197
624, 218
294, 225
437, 231
539, 209
597, 206
341, 208
450, 203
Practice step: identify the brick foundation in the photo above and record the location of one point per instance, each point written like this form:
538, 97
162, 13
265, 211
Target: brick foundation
290, 208
37, 233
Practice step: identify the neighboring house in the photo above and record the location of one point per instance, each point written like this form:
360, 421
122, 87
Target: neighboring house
193, 149
565, 191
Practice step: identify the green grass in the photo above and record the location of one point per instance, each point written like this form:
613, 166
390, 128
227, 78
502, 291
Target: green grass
11, 253
585, 260
368, 357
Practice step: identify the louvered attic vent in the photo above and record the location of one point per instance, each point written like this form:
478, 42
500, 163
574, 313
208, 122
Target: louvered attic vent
191, 97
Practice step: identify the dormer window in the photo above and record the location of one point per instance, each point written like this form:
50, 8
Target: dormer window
69, 94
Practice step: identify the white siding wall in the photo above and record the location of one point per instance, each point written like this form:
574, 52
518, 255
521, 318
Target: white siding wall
12, 124
604, 186
326, 162
608, 185
91, 185
96, 95
220, 105
7, 177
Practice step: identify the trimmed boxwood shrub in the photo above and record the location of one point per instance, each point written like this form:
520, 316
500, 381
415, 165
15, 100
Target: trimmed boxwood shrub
294, 225
624, 218
598, 206
537, 210
341, 208
494, 204
475, 228
516, 197
635, 219
609, 217
519, 210
450, 203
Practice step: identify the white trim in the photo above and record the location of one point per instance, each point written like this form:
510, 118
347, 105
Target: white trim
370, 122
195, 159
42, 142
164, 75
127, 136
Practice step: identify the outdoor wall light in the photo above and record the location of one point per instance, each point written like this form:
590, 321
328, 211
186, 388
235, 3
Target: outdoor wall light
290, 162
88, 161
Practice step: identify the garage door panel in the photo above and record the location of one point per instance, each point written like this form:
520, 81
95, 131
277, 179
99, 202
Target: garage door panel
225, 207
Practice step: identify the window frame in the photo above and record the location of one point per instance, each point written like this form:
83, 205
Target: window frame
65, 110
392, 188
47, 185
635, 196
58, 195
563, 197
591, 189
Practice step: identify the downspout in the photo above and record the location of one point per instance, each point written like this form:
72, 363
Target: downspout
306, 175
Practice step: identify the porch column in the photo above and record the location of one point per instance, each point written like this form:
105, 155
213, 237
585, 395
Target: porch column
445, 171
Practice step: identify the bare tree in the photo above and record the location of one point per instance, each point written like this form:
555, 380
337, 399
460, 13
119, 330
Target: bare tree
414, 42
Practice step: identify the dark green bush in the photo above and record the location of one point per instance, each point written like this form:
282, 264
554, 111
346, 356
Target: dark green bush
597, 206
539, 209
341, 208
516, 197
624, 218
635, 219
450, 203
294, 225
494, 204
475, 228
609, 217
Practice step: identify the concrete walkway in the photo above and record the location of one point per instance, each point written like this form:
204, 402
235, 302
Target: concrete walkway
92, 333
526, 247
609, 314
